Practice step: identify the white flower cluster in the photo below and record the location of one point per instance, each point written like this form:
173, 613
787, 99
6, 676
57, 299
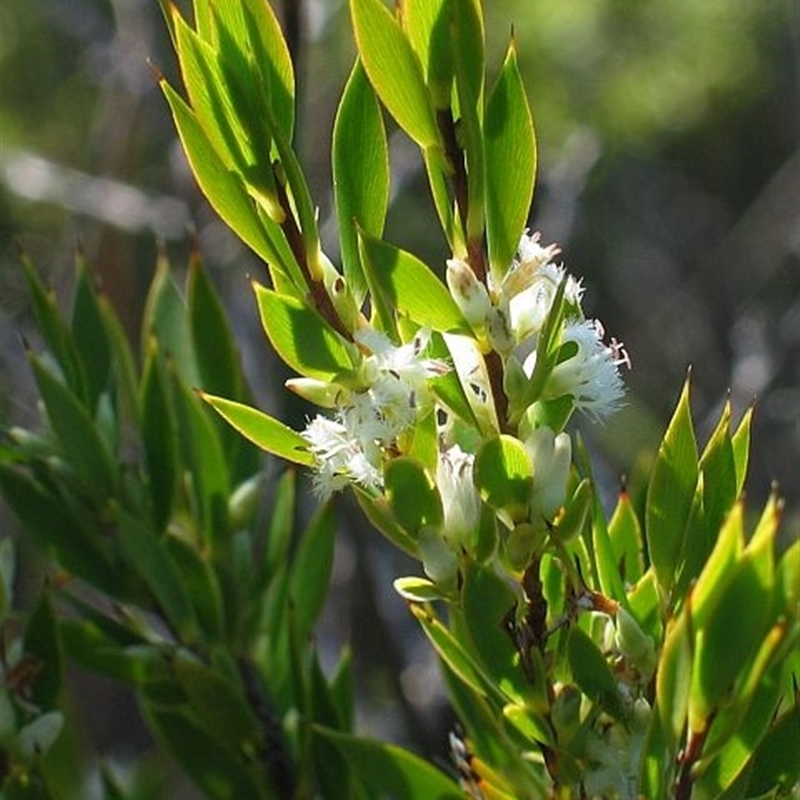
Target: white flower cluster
510, 316
351, 447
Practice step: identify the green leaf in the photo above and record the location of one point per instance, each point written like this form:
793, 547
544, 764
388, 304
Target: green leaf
427, 24
215, 770
166, 320
740, 442
302, 338
412, 495
379, 513
510, 164
79, 438
673, 679
775, 760
271, 60
407, 284
261, 429
203, 456
159, 436
122, 363
218, 362
202, 585
391, 770
218, 703
453, 652
41, 643
670, 494
487, 599
224, 188
730, 636
468, 49
394, 70
151, 561
719, 474
503, 474
625, 533
281, 523
90, 337
591, 672
73, 545
311, 570
54, 330
360, 173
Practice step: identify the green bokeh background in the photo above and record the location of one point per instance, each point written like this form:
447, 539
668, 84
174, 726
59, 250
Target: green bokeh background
668, 173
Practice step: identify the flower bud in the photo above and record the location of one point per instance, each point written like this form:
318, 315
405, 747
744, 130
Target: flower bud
469, 293
551, 456
460, 499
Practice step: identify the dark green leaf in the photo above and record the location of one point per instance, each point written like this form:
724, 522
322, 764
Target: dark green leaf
149, 558
159, 435
42, 644
90, 337
390, 770
77, 433
214, 769
311, 570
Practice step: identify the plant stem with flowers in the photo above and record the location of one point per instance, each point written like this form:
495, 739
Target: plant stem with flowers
649, 654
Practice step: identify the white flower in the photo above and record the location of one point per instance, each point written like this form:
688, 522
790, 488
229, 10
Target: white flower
460, 499
591, 375
340, 458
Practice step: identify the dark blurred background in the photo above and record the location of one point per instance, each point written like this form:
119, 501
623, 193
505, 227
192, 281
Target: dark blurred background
668, 172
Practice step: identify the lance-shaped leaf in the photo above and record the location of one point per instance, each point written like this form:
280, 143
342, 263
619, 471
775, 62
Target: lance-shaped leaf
427, 24
42, 644
76, 432
302, 338
311, 570
360, 173
673, 679
391, 770
625, 533
469, 57
510, 164
394, 70
409, 285
670, 493
265, 431
150, 560
224, 189
740, 441
592, 673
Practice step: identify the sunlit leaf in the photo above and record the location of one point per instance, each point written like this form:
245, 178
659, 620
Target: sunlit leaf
412, 495
503, 474
301, 337
265, 431
670, 493
410, 286
360, 172
394, 70
510, 164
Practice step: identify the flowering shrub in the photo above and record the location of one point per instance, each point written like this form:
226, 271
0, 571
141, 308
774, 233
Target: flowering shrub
584, 656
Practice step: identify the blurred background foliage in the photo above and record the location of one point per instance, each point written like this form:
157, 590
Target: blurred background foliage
668, 172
